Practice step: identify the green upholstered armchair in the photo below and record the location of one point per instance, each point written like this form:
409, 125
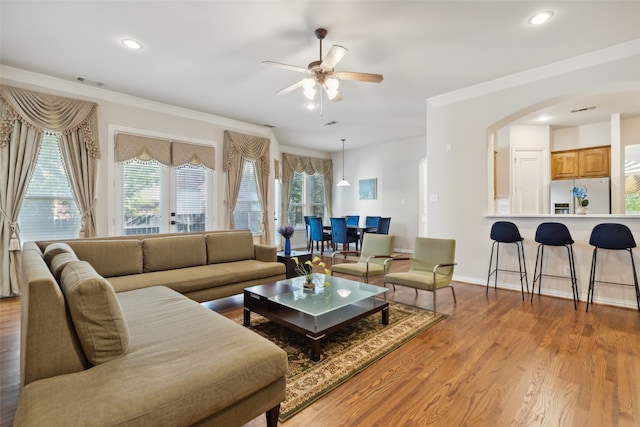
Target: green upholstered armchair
375, 257
431, 269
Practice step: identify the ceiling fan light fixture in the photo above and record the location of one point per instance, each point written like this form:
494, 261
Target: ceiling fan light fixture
343, 182
308, 83
310, 93
332, 84
331, 94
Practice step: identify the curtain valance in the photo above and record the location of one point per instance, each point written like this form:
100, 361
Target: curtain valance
308, 165
164, 151
191, 154
247, 147
49, 113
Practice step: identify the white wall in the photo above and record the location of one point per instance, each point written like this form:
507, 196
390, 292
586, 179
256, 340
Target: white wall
396, 167
593, 135
461, 175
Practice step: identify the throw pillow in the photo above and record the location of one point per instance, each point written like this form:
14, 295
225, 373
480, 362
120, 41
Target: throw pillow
60, 261
95, 312
54, 249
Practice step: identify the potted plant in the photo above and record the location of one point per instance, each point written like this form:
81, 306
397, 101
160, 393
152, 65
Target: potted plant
580, 193
306, 270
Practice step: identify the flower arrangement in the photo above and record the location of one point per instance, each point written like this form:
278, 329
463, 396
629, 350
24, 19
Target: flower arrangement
286, 231
306, 270
580, 193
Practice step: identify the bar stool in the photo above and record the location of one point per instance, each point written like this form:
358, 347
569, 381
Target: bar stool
507, 232
614, 237
554, 234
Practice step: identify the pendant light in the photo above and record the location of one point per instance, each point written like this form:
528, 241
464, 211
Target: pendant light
343, 182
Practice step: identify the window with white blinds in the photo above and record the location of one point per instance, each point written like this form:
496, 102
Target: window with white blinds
191, 198
307, 198
142, 206
248, 212
48, 209
163, 186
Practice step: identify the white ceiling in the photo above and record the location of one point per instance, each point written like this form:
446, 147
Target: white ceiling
207, 55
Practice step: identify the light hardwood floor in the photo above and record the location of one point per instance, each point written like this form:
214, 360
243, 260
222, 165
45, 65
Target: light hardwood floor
495, 361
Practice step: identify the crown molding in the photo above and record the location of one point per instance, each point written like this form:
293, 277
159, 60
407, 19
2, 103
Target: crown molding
602, 56
9, 75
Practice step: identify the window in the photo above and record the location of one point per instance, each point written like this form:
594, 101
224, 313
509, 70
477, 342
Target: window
248, 211
191, 198
141, 203
296, 203
307, 198
48, 209
155, 197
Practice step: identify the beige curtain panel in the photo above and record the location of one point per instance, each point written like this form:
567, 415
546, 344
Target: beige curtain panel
309, 165
26, 116
239, 147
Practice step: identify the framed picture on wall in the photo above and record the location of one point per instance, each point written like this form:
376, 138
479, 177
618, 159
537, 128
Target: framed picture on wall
368, 189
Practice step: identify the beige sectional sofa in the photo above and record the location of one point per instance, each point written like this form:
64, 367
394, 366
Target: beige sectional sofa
109, 336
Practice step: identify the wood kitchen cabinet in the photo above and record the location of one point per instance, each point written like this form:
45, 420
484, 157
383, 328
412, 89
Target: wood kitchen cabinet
590, 162
594, 162
564, 164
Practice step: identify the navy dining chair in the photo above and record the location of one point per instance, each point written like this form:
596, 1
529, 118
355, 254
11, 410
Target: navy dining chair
371, 221
383, 225
317, 233
353, 219
307, 228
339, 234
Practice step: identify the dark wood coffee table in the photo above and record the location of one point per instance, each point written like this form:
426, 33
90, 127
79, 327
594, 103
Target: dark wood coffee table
317, 312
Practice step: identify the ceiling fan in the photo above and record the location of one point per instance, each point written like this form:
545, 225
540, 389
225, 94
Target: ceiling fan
321, 73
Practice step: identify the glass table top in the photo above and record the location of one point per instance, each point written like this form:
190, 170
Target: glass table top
335, 293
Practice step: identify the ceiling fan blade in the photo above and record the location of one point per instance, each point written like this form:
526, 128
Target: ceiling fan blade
337, 98
360, 77
333, 57
285, 66
290, 88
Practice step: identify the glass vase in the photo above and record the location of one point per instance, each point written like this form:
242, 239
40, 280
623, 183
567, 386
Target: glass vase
287, 246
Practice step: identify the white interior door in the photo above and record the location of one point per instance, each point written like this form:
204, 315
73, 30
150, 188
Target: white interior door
529, 178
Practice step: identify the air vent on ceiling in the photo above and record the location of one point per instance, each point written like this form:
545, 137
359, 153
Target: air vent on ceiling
580, 110
331, 123
268, 126
90, 82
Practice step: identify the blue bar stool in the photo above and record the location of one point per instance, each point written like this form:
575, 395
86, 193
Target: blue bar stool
616, 237
507, 232
554, 234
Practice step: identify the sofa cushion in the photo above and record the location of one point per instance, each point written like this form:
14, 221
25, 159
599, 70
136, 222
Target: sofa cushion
229, 246
193, 279
169, 253
110, 257
54, 249
60, 261
95, 312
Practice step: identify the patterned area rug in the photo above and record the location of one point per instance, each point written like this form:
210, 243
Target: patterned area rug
344, 353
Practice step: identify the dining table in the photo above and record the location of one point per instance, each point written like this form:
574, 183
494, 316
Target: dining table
358, 230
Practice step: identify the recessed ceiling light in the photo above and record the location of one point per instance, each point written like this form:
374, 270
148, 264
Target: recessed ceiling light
540, 18
310, 105
543, 118
131, 44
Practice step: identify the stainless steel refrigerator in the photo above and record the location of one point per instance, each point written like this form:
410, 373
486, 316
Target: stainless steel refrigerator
598, 194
